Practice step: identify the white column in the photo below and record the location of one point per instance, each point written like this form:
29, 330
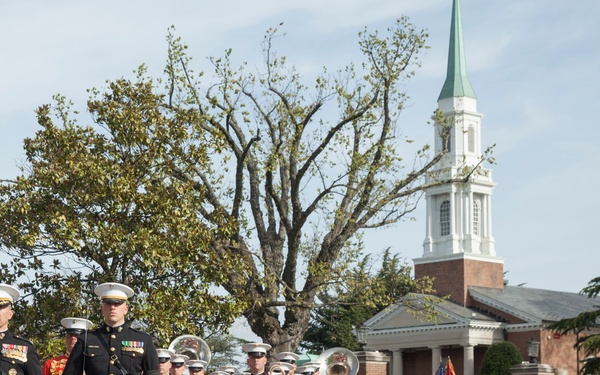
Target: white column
436, 355
397, 364
469, 360
488, 200
430, 230
469, 214
464, 245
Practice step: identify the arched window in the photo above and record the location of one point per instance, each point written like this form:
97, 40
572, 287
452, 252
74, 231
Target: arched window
445, 218
476, 218
471, 140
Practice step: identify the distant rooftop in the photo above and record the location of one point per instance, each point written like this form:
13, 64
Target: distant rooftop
546, 305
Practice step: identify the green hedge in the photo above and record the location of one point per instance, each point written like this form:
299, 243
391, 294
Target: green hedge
499, 358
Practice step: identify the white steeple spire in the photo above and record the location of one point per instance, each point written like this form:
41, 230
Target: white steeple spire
459, 220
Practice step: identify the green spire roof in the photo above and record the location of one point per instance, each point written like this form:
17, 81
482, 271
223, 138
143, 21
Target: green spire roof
457, 83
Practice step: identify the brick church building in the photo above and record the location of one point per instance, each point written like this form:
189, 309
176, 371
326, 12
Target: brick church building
459, 253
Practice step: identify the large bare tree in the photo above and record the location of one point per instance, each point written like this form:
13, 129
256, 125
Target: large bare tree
240, 192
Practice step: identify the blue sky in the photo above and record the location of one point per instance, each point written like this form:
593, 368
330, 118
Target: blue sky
534, 65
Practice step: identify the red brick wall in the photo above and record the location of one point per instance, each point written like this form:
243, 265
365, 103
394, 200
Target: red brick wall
373, 368
555, 350
452, 277
373, 363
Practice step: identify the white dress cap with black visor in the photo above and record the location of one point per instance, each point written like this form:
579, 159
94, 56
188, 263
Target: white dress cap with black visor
113, 292
76, 326
8, 294
195, 365
256, 349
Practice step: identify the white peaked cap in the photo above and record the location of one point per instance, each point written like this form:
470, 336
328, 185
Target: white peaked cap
8, 293
113, 292
76, 325
309, 368
284, 365
287, 356
228, 369
180, 358
165, 353
196, 363
256, 347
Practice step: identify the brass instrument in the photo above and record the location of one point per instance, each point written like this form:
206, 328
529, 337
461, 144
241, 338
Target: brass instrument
192, 346
276, 369
338, 361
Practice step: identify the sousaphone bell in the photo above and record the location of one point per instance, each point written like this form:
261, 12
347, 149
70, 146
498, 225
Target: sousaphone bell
192, 346
338, 361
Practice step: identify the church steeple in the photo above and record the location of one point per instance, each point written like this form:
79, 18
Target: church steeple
457, 83
459, 248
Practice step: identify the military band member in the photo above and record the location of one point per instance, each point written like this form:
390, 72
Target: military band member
307, 370
164, 360
73, 328
113, 348
281, 368
257, 357
288, 357
314, 367
19, 356
178, 364
231, 370
196, 366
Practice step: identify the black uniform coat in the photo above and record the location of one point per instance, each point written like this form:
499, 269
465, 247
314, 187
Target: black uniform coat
18, 356
133, 348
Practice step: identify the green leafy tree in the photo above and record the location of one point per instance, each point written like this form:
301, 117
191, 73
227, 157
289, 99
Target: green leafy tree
226, 350
585, 325
499, 358
364, 294
238, 195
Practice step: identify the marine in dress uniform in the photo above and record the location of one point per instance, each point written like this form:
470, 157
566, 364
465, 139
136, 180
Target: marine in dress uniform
257, 357
164, 360
288, 357
17, 355
313, 368
281, 368
178, 364
307, 370
73, 328
113, 348
197, 366
231, 370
